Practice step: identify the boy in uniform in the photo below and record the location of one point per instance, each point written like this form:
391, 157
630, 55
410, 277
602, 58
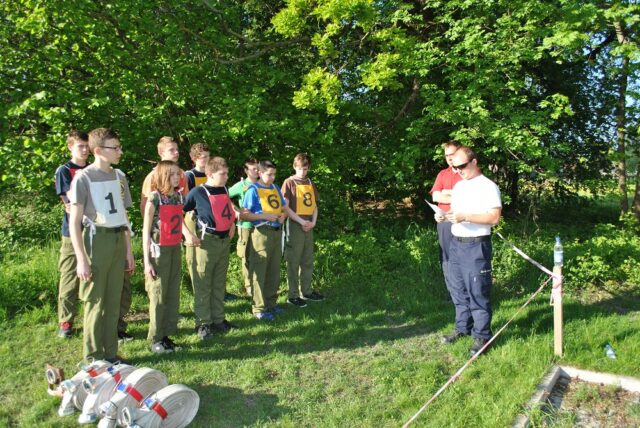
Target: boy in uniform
99, 197
301, 196
265, 207
214, 226
237, 191
78, 145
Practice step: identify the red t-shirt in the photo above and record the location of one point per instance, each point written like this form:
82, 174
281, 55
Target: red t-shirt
445, 180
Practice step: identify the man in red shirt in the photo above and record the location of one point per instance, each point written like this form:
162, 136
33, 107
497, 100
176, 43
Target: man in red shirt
441, 193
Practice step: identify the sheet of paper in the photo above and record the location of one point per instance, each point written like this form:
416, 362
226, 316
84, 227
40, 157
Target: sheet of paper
435, 208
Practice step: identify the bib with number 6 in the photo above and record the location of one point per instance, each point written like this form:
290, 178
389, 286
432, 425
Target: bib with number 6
170, 217
270, 201
107, 200
305, 199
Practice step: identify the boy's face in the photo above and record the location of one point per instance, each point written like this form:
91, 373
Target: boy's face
111, 151
251, 170
219, 178
268, 176
201, 161
79, 150
170, 152
301, 170
174, 177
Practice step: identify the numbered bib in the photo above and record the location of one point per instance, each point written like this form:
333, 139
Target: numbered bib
107, 200
222, 212
305, 199
199, 180
170, 217
270, 201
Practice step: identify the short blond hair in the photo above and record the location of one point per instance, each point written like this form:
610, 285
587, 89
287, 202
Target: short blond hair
163, 142
99, 136
215, 164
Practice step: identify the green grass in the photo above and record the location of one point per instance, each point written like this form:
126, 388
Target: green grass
368, 356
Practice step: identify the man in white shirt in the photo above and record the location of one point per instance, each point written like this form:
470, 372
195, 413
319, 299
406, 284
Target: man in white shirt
475, 207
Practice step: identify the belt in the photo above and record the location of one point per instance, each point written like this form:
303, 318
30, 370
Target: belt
469, 239
117, 229
218, 235
267, 227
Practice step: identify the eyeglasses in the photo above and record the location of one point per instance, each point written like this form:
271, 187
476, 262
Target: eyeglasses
461, 166
116, 148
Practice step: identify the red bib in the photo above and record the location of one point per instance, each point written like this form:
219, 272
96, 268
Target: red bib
170, 224
222, 211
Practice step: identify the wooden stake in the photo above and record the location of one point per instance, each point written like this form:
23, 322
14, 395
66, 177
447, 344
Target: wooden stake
557, 310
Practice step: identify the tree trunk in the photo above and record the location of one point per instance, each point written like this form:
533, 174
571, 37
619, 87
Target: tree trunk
636, 196
621, 164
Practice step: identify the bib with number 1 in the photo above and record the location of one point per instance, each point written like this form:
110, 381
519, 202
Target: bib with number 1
222, 212
107, 200
170, 217
270, 201
305, 199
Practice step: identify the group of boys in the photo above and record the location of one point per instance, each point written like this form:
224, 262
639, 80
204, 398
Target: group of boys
96, 258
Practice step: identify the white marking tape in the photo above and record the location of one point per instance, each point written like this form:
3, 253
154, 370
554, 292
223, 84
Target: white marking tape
556, 283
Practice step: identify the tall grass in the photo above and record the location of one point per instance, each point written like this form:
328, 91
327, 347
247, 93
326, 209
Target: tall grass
368, 356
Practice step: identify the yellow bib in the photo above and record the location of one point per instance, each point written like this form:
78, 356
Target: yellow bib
305, 199
270, 201
200, 180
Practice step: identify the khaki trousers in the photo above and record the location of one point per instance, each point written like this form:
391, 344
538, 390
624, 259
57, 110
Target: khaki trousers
101, 295
264, 267
299, 256
164, 293
210, 278
69, 282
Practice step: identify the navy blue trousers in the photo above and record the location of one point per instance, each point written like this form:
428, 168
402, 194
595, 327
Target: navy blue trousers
444, 238
470, 286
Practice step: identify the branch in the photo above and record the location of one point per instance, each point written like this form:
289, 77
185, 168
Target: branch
596, 51
414, 94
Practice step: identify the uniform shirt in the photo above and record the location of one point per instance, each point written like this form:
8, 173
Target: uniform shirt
253, 203
64, 176
446, 180
148, 185
80, 192
195, 178
237, 191
475, 196
302, 195
198, 201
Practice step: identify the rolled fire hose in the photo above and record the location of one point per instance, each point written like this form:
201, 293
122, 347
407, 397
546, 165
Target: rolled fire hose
130, 393
73, 394
100, 389
173, 406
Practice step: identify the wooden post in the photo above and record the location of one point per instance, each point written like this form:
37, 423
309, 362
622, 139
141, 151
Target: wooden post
556, 292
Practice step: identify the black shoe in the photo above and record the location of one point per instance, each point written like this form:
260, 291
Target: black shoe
478, 344
123, 336
230, 297
222, 327
204, 332
296, 301
314, 297
161, 348
449, 339
170, 344
117, 360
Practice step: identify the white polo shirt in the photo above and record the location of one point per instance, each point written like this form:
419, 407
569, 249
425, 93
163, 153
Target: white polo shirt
475, 196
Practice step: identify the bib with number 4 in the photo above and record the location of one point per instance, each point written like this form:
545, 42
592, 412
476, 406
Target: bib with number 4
222, 210
170, 217
270, 201
107, 200
305, 199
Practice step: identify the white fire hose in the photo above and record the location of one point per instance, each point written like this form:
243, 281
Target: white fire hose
130, 393
174, 406
73, 394
100, 389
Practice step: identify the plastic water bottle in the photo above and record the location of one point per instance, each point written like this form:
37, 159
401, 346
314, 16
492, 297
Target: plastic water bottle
558, 255
609, 351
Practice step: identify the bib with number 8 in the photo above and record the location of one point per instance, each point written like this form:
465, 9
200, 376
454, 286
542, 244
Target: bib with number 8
305, 199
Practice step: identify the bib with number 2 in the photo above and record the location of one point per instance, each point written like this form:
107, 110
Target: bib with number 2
170, 217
